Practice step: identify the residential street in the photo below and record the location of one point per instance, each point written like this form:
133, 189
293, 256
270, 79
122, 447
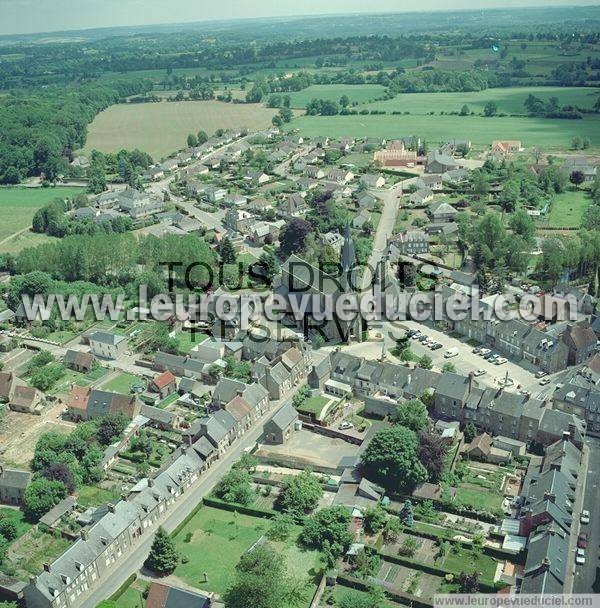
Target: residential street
118, 574
586, 575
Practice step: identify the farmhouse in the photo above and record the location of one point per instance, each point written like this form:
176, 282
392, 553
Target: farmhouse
87, 404
371, 180
13, 483
502, 149
107, 345
437, 162
441, 212
396, 155
279, 429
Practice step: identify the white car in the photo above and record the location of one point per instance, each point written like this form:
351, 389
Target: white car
500, 361
484, 351
585, 517
479, 372
346, 425
580, 557
544, 381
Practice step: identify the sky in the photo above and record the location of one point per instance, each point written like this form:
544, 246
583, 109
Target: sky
29, 16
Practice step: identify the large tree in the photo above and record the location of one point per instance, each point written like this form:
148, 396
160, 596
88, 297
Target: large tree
432, 454
163, 557
293, 236
411, 414
261, 581
300, 494
235, 487
40, 496
391, 459
329, 527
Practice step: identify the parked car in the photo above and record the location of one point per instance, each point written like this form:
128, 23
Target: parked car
345, 425
540, 374
451, 352
479, 372
545, 381
436, 346
416, 335
476, 350
423, 338
500, 361
484, 351
585, 517
582, 540
580, 558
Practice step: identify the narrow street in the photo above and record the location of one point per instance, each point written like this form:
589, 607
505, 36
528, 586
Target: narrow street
121, 570
587, 575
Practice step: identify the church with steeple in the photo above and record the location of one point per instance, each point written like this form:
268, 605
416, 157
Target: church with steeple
299, 277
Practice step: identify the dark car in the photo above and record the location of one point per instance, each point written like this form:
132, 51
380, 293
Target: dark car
582, 540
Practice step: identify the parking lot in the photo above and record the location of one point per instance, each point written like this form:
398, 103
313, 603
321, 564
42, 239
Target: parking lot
466, 361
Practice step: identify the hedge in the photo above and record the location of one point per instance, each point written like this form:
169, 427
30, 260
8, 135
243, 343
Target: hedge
121, 590
399, 597
484, 586
186, 519
491, 551
211, 501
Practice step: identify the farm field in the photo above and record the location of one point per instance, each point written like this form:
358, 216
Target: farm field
216, 541
546, 133
161, 128
359, 93
509, 100
18, 206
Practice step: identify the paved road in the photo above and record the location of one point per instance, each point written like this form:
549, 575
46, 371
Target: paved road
586, 575
384, 229
118, 574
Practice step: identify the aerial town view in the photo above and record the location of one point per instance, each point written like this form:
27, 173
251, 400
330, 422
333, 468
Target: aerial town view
299, 304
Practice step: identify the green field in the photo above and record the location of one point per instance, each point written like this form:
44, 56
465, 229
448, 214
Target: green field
509, 100
547, 133
359, 93
162, 128
219, 538
17, 207
567, 210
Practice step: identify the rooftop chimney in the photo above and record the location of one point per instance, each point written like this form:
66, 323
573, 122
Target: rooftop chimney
84, 534
46, 566
110, 507
150, 482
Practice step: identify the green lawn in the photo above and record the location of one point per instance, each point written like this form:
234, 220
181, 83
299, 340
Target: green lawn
219, 538
16, 516
314, 405
17, 207
186, 340
509, 100
566, 210
121, 383
168, 400
466, 560
73, 377
479, 498
93, 496
548, 134
359, 93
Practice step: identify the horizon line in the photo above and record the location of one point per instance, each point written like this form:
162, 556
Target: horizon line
290, 18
